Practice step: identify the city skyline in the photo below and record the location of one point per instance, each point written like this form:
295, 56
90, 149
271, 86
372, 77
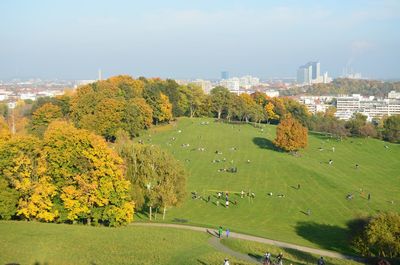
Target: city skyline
72, 40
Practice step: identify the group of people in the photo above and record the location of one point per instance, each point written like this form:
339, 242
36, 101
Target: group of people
279, 260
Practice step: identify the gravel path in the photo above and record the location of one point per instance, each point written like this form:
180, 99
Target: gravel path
215, 242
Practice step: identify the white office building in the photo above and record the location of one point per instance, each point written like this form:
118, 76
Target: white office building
370, 107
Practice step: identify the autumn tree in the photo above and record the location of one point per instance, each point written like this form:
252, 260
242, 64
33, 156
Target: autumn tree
42, 117
137, 116
379, 236
19, 166
290, 135
128, 87
5, 133
269, 112
87, 174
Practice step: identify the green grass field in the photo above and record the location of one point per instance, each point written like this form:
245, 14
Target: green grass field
323, 187
32, 243
47, 244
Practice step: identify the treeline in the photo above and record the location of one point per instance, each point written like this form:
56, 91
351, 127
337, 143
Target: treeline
134, 105
71, 158
345, 86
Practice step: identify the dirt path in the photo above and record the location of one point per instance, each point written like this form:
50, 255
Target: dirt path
320, 252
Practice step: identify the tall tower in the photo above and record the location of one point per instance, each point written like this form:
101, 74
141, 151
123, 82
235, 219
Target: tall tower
99, 78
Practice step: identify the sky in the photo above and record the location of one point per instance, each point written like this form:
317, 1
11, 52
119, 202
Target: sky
197, 38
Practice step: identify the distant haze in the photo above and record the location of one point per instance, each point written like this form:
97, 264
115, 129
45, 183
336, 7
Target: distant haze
199, 38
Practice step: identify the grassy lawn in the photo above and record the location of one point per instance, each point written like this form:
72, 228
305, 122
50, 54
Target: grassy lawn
38, 243
323, 187
291, 256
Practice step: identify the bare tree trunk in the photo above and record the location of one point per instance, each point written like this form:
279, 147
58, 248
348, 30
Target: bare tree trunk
150, 212
165, 209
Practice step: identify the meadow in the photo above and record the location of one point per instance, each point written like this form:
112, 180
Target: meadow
46, 244
34, 243
315, 215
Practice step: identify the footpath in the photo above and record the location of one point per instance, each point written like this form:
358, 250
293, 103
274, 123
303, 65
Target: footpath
217, 244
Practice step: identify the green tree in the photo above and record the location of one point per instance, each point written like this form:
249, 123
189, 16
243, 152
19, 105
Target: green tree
8, 200
220, 99
391, 129
193, 99
158, 180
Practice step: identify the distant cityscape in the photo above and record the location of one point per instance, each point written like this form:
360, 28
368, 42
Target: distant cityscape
307, 74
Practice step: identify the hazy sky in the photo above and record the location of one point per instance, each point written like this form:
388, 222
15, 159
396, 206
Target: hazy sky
199, 38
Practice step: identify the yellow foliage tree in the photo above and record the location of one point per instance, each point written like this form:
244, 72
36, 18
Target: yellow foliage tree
269, 110
19, 166
4, 130
165, 108
88, 174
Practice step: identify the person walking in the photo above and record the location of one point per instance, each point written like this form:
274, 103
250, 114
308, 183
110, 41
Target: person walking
219, 232
227, 232
226, 261
267, 259
321, 261
279, 259
369, 196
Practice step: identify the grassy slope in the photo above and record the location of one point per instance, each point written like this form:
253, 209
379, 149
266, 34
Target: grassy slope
291, 256
323, 186
39, 244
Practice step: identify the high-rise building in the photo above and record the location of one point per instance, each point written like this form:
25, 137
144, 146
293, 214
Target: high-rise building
310, 73
304, 74
316, 69
224, 75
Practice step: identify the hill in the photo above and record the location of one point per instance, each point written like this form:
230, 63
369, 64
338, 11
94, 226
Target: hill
207, 148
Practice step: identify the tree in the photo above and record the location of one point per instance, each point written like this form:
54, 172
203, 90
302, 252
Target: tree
158, 180
107, 118
298, 111
194, 96
379, 236
290, 135
4, 110
355, 124
5, 133
165, 108
42, 117
279, 108
19, 164
129, 87
368, 130
87, 174
8, 200
270, 114
220, 98
137, 116
391, 129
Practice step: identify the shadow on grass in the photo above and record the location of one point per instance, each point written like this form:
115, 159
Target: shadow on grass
326, 236
264, 143
299, 256
256, 256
